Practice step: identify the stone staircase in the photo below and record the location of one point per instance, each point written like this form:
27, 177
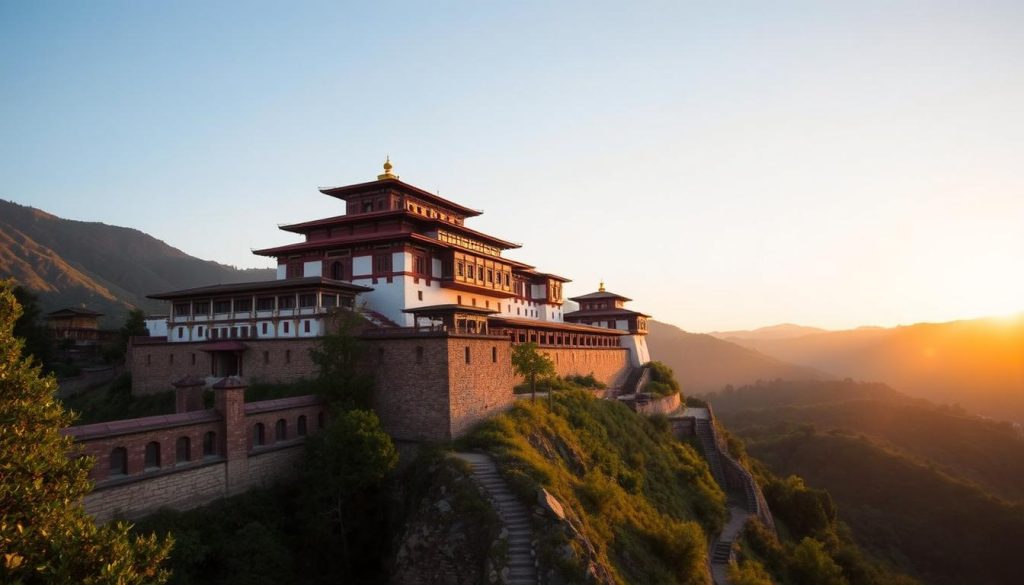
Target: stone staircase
513, 515
707, 443
721, 552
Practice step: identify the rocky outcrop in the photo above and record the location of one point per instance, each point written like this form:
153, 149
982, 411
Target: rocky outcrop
453, 536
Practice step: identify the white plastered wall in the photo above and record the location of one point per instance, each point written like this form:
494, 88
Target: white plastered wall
637, 346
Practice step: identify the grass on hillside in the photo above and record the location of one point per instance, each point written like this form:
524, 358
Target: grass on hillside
644, 500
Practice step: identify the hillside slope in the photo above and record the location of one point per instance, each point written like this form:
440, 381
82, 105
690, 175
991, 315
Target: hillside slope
978, 363
107, 268
960, 445
946, 531
703, 363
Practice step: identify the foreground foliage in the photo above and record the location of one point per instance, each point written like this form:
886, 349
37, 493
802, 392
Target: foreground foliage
645, 501
45, 534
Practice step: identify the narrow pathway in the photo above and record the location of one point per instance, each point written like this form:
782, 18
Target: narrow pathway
738, 514
723, 546
512, 513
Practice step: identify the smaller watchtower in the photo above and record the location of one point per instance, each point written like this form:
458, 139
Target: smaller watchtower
608, 310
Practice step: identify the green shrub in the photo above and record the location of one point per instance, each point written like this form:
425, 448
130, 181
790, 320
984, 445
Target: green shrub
588, 381
663, 381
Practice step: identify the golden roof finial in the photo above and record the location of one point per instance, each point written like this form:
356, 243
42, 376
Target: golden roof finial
387, 170
601, 287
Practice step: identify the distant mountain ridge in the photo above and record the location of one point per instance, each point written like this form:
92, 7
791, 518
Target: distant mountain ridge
107, 268
782, 331
978, 363
703, 363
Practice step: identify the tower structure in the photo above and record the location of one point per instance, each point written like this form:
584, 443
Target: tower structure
414, 250
607, 309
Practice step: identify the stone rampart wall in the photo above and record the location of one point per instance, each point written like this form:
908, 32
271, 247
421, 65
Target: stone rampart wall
609, 365
192, 470
480, 386
154, 366
180, 489
411, 387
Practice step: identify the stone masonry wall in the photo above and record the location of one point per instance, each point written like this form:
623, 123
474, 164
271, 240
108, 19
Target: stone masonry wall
609, 365
195, 478
411, 387
179, 489
482, 386
154, 366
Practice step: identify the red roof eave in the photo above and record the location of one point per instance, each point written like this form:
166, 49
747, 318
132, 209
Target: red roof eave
359, 238
348, 190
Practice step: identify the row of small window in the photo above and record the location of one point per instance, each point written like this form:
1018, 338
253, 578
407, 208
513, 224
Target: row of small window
487, 304
259, 430
563, 339
244, 305
183, 446
266, 358
152, 459
478, 272
420, 354
427, 212
242, 332
469, 244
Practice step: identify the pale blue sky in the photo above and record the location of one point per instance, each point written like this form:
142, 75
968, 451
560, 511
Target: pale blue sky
727, 165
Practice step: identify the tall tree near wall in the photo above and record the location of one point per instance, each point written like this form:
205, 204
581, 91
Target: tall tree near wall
532, 365
45, 534
342, 379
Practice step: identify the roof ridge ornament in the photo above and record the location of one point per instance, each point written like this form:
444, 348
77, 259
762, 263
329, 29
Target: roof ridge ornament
600, 288
387, 170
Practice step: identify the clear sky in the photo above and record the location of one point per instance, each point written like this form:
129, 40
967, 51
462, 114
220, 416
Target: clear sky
725, 164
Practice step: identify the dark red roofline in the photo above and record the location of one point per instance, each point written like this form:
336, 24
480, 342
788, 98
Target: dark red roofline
300, 228
262, 285
600, 295
581, 314
357, 238
350, 190
305, 227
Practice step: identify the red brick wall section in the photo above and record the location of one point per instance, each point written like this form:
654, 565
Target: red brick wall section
183, 484
153, 368
411, 393
229, 402
482, 387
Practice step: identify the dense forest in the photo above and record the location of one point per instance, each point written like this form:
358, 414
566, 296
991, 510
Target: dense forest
931, 489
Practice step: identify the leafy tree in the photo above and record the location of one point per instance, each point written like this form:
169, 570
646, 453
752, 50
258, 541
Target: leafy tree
663, 380
134, 326
38, 341
811, 565
749, 572
342, 381
350, 456
532, 365
45, 533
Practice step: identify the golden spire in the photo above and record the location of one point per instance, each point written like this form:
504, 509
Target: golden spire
601, 287
387, 170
